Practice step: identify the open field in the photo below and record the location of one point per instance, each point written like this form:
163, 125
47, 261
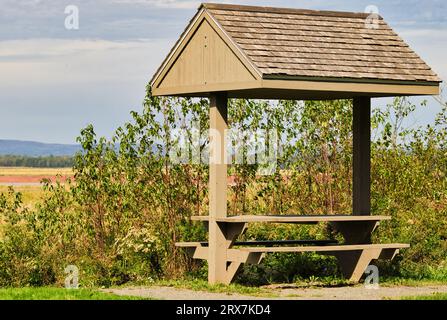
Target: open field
27, 181
24, 171
19, 176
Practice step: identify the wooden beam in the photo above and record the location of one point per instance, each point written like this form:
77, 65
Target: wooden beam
361, 184
301, 89
217, 258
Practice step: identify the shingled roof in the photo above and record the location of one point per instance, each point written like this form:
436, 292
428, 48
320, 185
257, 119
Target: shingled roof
308, 43
294, 44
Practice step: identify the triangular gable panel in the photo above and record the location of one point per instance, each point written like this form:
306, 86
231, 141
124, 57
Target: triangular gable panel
206, 60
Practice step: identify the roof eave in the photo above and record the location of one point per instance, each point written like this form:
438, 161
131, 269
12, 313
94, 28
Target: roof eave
307, 88
351, 80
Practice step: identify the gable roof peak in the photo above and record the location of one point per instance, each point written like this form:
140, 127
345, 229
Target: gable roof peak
253, 51
247, 8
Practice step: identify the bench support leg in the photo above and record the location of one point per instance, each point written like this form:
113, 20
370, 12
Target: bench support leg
354, 263
228, 262
217, 254
232, 268
230, 232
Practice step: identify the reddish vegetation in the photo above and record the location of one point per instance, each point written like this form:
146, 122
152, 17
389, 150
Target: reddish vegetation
29, 178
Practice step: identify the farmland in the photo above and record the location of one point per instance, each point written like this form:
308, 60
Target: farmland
26, 171
27, 181
14, 175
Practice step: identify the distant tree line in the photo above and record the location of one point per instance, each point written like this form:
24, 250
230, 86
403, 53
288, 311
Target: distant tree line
36, 162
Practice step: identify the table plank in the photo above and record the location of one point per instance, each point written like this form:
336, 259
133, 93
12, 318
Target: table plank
293, 218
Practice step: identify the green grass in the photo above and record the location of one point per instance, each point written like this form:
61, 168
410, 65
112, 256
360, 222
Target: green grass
47, 293
435, 296
390, 282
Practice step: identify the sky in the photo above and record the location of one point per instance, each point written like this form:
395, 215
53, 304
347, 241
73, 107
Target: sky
54, 81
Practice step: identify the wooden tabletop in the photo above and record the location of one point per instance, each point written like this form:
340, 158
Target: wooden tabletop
294, 218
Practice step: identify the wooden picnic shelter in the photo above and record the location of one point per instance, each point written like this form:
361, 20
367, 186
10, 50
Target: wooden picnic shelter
234, 51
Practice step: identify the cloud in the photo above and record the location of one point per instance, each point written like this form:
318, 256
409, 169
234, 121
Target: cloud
54, 81
132, 19
174, 4
53, 87
47, 62
53, 48
99, 19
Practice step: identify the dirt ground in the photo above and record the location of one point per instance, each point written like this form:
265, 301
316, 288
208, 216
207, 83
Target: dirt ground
358, 292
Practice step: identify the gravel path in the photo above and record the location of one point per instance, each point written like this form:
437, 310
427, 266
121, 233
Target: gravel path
171, 293
358, 292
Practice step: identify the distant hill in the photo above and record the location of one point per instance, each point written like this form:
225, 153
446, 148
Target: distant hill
36, 149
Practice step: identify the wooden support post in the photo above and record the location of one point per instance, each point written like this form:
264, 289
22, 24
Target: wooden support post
217, 257
361, 173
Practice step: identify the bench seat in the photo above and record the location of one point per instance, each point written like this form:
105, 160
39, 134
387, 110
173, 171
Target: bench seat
328, 248
353, 258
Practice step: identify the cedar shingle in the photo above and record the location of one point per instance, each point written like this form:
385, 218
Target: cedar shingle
306, 43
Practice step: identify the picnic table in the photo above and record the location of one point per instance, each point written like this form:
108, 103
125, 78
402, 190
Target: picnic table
354, 255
